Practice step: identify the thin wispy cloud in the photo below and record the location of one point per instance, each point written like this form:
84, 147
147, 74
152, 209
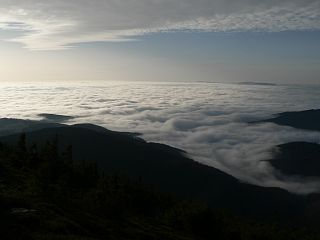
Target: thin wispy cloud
57, 24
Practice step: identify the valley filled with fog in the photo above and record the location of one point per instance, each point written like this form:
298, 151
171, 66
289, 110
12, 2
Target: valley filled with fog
210, 121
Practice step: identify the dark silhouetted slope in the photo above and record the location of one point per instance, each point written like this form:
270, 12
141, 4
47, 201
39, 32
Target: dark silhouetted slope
167, 169
298, 158
308, 120
45, 194
54, 118
10, 126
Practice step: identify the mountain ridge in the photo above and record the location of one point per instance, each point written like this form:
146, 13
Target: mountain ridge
166, 169
306, 120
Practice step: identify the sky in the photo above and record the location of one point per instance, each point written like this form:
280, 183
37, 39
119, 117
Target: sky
160, 40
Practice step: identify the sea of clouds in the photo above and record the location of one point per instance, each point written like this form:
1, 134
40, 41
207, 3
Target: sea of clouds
208, 120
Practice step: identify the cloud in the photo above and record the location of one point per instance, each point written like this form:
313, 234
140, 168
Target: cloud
58, 24
209, 121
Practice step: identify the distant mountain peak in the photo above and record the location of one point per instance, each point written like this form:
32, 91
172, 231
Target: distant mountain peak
308, 119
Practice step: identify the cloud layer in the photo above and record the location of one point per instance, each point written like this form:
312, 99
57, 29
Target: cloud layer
209, 120
58, 24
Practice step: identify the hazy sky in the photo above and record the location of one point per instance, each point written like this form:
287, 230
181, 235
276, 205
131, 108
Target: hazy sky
160, 40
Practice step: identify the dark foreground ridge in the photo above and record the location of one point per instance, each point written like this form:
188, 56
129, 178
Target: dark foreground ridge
308, 120
87, 182
166, 168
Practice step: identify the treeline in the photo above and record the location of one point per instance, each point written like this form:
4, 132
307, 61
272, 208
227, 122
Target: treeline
45, 194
